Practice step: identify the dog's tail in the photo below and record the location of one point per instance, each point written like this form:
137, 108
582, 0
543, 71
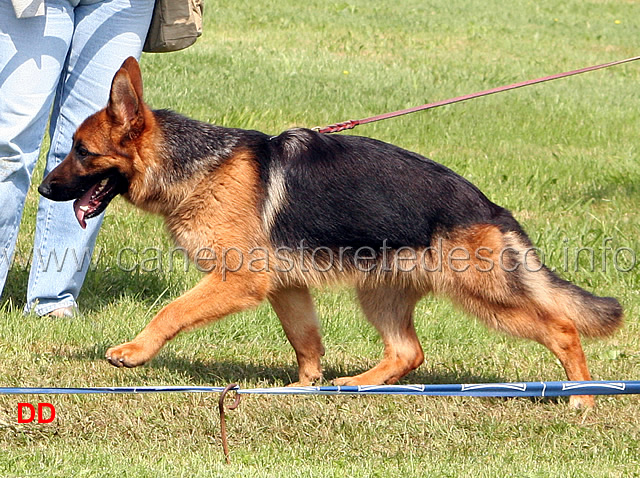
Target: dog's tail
508, 287
593, 316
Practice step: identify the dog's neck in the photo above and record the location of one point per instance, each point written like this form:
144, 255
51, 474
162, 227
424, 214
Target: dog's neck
185, 151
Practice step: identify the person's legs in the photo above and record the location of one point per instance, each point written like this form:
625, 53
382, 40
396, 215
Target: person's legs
106, 33
32, 54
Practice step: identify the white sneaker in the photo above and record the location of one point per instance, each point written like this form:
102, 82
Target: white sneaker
62, 312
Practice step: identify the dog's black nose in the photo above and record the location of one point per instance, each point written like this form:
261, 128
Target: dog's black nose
45, 190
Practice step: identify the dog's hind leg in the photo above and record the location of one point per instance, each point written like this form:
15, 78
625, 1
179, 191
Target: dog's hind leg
294, 307
560, 336
547, 327
390, 310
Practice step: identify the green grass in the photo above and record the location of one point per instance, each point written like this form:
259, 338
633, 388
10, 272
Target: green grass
562, 156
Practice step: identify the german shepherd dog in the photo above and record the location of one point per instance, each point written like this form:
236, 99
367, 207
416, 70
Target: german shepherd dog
271, 216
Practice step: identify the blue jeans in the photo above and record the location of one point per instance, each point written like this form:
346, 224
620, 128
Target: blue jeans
65, 60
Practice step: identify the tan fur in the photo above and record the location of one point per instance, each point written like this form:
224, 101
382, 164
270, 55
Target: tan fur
223, 218
220, 213
390, 311
467, 267
275, 198
294, 307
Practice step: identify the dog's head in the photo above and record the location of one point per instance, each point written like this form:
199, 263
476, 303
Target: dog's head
106, 149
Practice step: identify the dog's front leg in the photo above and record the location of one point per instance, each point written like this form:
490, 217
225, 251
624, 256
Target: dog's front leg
212, 299
294, 307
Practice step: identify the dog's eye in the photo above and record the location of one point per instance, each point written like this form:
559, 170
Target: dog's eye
82, 151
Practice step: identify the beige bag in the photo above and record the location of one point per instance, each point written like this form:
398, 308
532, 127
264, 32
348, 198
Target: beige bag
176, 24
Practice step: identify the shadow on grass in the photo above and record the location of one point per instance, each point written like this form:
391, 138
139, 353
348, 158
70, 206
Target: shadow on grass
220, 373
15, 289
102, 287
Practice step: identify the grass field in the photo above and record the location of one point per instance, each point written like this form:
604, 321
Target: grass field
562, 156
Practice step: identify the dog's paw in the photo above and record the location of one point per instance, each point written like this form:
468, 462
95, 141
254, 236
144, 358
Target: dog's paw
582, 402
308, 379
128, 355
306, 383
347, 381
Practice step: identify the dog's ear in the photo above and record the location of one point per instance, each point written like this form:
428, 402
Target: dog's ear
133, 68
125, 101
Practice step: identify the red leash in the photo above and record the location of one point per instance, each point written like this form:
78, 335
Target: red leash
334, 128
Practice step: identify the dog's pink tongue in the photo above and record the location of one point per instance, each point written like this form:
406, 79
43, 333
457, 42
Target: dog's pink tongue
80, 205
79, 214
